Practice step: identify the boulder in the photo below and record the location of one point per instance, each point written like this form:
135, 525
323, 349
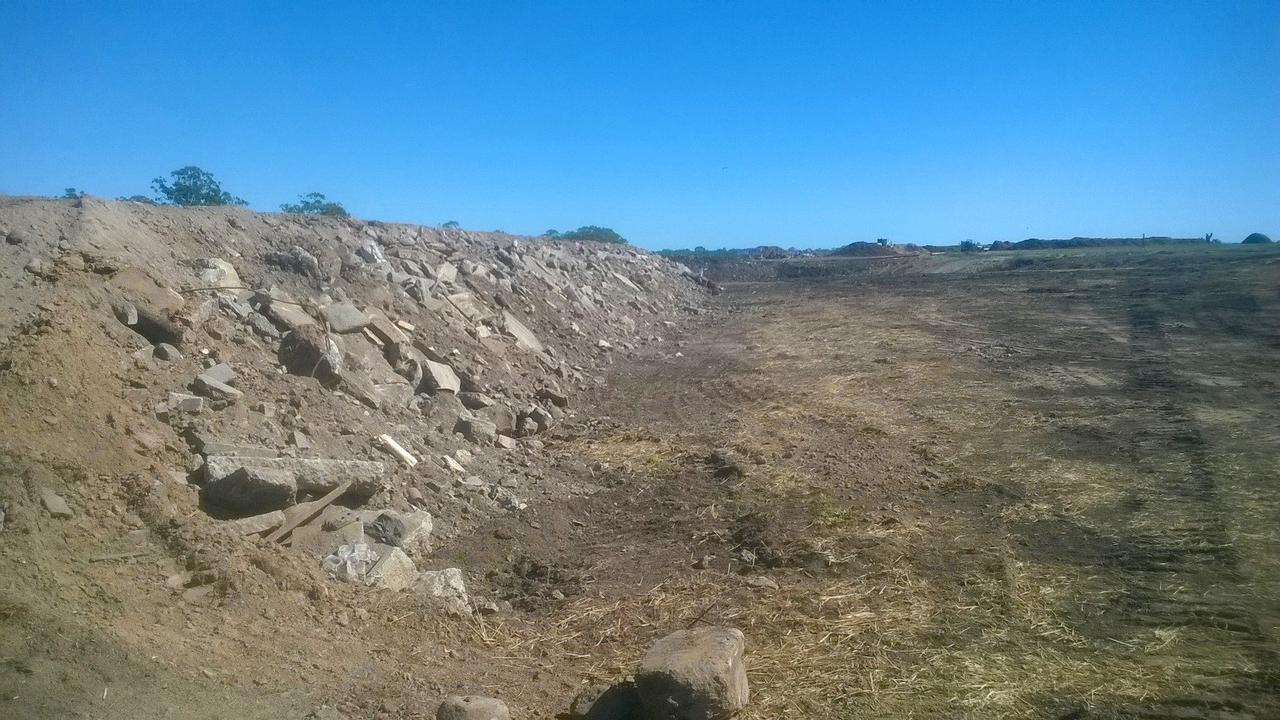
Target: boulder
697, 674
472, 707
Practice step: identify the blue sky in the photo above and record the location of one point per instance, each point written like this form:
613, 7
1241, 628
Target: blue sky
678, 124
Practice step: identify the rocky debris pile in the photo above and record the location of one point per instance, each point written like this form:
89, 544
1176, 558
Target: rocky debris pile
695, 674
356, 391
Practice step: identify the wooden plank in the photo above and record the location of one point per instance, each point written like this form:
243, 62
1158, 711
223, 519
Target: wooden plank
320, 505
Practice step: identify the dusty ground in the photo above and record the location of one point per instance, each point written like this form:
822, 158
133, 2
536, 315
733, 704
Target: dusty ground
1009, 490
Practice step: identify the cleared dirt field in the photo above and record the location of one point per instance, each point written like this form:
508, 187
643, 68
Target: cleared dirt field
1003, 493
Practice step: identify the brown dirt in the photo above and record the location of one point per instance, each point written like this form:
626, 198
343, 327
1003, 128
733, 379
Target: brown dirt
1018, 493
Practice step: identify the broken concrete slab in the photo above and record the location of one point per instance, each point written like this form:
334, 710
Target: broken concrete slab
286, 311
475, 400
345, 317
696, 674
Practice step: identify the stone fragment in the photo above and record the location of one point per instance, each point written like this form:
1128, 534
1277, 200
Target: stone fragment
524, 336
441, 378
345, 317
219, 273
696, 674
249, 489
55, 505
256, 524
182, 402
396, 449
446, 272
472, 707
215, 390
311, 475
165, 351
475, 400
444, 588
125, 312
316, 540
221, 372
480, 432
312, 352
394, 571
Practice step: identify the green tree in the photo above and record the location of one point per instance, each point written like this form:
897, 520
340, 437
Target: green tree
451, 225
1256, 239
552, 233
315, 204
594, 233
191, 185
969, 246
73, 194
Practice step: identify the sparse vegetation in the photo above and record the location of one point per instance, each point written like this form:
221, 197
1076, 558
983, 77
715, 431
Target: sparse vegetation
315, 203
589, 233
191, 185
73, 193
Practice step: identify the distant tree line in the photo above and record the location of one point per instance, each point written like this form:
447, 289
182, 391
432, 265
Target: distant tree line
589, 233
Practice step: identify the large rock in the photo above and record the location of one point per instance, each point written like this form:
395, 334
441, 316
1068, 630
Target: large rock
480, 432
441, 378
250, 489
444, 588
472, 707
305, 474
697, 674
345, 317
523, 335
309, 350
394, 571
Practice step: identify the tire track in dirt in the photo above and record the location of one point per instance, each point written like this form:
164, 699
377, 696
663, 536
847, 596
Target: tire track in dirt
1181, 566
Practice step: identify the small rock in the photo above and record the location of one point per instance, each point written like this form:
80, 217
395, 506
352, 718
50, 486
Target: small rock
472, 707
763, 582
475, 400
441, 378
126, 312
165, 351
395, 571
221, 372
55, 505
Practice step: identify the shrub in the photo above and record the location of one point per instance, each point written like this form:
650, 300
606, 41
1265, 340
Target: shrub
191, 185
315, 204
1256, 239
592, 233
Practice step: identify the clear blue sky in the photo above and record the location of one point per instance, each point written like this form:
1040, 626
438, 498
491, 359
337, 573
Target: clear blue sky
678, 124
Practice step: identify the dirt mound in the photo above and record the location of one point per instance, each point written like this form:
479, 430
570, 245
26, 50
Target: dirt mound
176, 384
867, 249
